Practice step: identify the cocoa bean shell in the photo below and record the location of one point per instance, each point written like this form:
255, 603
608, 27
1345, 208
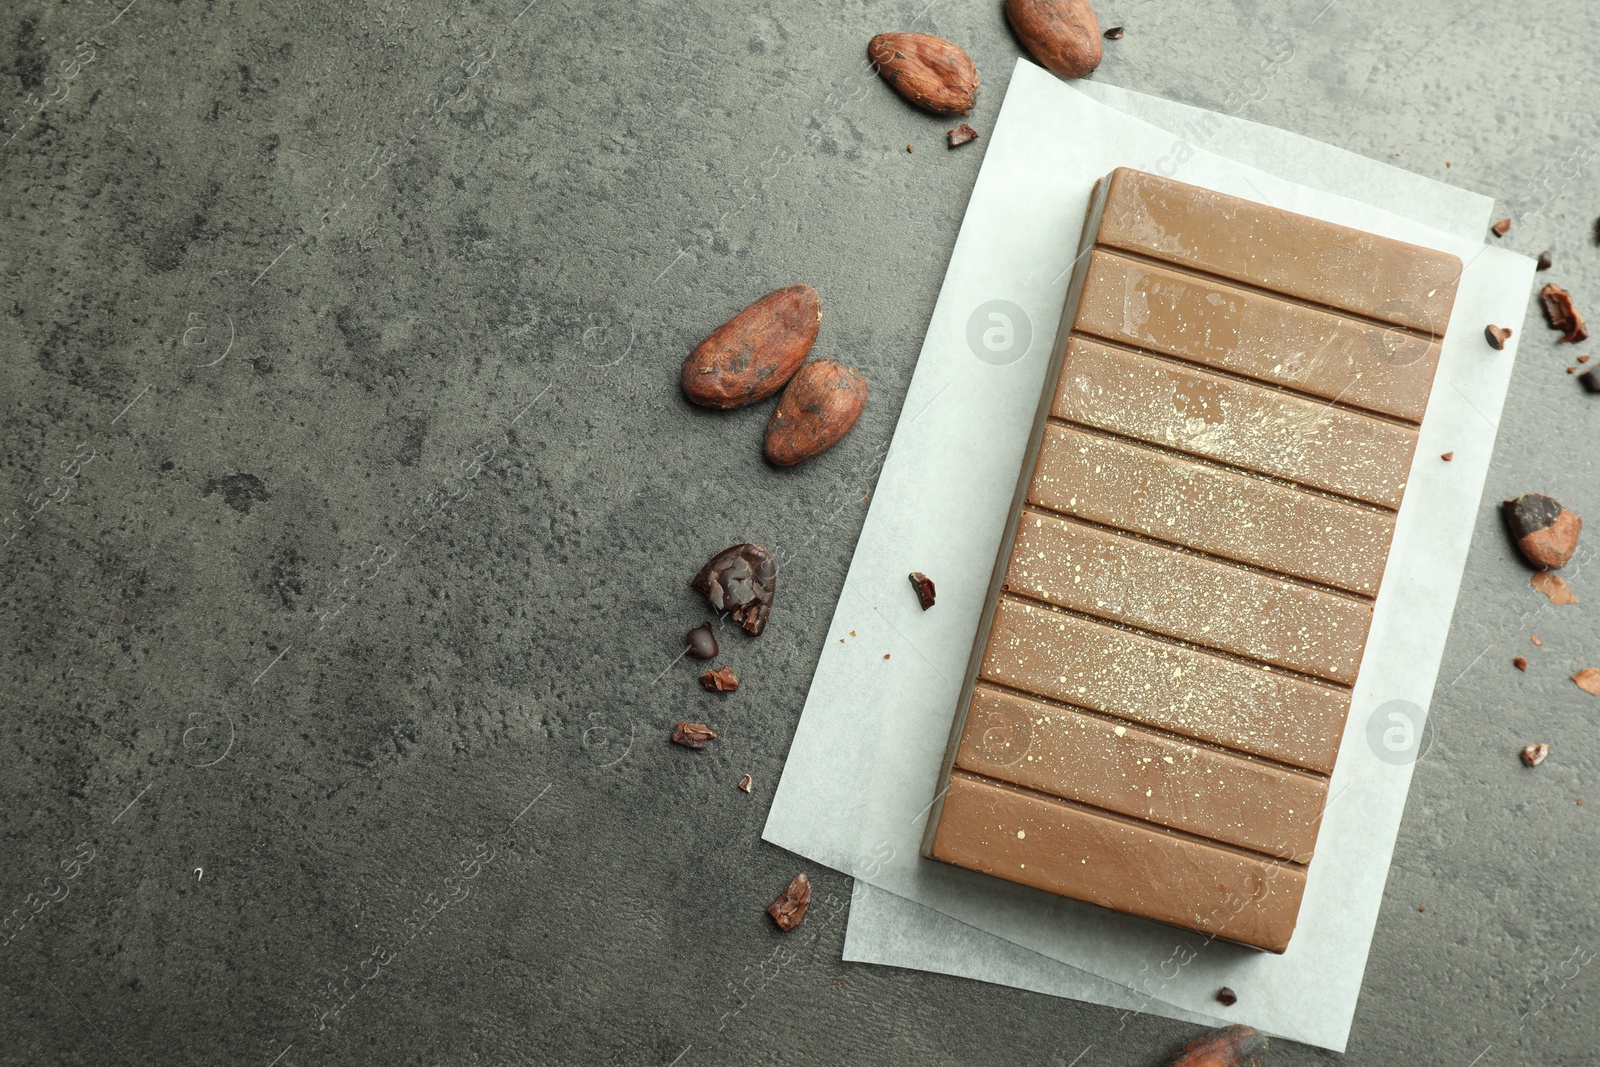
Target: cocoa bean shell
817, 409
755, 353
934, 74
1063, 35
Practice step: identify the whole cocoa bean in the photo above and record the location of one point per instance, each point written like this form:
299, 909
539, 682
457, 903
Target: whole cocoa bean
1063, 35
753, 354
930, 72
817, 409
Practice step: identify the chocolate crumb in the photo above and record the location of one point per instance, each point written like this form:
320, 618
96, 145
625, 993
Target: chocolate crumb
1497, 335
744, 783
886, 655
908, 148
1544, 260
692, 734
961, 135
1533, 755
1588, 680
1590, 380
702, 642
1520, 663
924, 587
721, 680
1447, 456
1116, 33
1500, 228
1227, 997
789, 910
1561, 315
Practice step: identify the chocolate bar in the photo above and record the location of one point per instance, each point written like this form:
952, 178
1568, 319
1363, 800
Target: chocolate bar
1178, 614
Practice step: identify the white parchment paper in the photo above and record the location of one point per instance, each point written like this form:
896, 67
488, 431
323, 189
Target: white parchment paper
859, 805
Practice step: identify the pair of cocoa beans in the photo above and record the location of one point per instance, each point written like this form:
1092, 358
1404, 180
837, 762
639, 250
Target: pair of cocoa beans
763, 349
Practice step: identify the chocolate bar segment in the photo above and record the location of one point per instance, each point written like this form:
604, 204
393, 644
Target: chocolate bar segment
1164, 668
1127, 864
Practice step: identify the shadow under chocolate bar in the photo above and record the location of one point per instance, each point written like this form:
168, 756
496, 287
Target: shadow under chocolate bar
1182, 597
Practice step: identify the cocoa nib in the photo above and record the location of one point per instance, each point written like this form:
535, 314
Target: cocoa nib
744, 783
1116, 33
1497, 335
924, 587
1546, 533
789, 910
1544, 261
1552, 586
961, 135
1588, 680
702, 642
1232, 1046
1590, 380
721, 680
1501, 228
692, 734
1520, 663
1227, 997
1560, 313
1533, 755
741, 580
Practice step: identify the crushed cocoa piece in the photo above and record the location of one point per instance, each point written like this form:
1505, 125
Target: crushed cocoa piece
1116, 33
1520, 663
1554, 587
1536, 640
1533, 755
1561, 315
1497, 335
1500, 228
789, 910
1447, 456
744, 783
692, 734
1544, 260
961, 135
1545, 532
1227, 997
924, 587
741, 580
1588, 680
721, 680
1590, 380
701, 642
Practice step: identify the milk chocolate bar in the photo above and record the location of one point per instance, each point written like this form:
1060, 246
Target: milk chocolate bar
1178, 614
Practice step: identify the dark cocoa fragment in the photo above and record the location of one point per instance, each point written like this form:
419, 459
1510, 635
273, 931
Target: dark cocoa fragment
924, 587
1497, 335
1544, 260
1533, 755
702, 643
1227, 997
1545, 532
1447, 456
721, 680
789, 910
1590, 380
1500, 228
692, 734
961, 135
1520, 663
1116, 33
1561, 315
1232, 1046
741, 580
744, 783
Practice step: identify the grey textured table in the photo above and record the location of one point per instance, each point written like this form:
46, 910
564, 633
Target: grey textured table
354, 501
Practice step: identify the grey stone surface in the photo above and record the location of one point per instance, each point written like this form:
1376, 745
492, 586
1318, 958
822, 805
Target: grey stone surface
369, 316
